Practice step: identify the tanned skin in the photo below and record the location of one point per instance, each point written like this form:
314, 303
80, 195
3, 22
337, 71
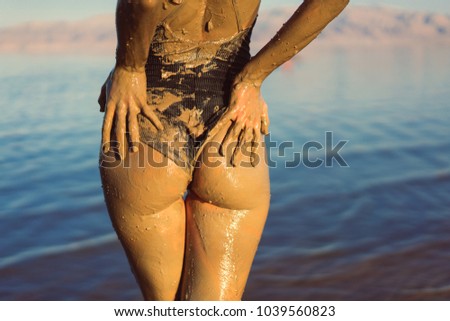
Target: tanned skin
200, 246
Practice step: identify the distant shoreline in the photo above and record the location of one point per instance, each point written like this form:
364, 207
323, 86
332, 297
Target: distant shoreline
358, 26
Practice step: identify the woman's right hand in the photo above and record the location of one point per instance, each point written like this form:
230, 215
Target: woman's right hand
249, 118
122, 98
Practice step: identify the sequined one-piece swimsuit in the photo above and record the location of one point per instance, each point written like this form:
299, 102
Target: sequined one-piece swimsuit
189, 90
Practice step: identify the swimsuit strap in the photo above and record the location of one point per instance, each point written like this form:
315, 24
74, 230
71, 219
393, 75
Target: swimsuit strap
174, 12
236, 14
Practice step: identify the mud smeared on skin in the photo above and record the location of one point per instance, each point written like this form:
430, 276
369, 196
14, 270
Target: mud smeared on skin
194, 121
217, 227
192, 53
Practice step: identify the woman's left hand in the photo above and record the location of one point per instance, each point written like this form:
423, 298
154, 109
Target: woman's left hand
249, 118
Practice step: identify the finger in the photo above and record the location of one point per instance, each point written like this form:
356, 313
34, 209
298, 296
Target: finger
226, 120
107, 125
120, 132
255, 145
237, 153
245, 146
231, 138
222, 148
133, 129
264, 124
102, 98
226, 117
148, 112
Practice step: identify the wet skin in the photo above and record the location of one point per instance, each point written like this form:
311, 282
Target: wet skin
204, 244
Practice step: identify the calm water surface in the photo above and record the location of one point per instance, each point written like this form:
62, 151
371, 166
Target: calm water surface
377, 229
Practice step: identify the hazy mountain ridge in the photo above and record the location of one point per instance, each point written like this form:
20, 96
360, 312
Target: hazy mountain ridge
364, 25
356, 26
92, 35
387, 25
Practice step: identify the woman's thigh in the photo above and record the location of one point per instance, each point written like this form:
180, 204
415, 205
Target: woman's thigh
226, 211
144, 196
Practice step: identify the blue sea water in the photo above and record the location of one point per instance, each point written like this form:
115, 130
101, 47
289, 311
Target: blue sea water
376, 229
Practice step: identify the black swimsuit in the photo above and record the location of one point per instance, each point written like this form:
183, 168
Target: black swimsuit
189, 90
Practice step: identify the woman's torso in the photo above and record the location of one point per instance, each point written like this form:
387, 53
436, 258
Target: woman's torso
198, 49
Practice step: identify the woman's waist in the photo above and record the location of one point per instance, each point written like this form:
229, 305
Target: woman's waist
190, 90
215, 75
170, 49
